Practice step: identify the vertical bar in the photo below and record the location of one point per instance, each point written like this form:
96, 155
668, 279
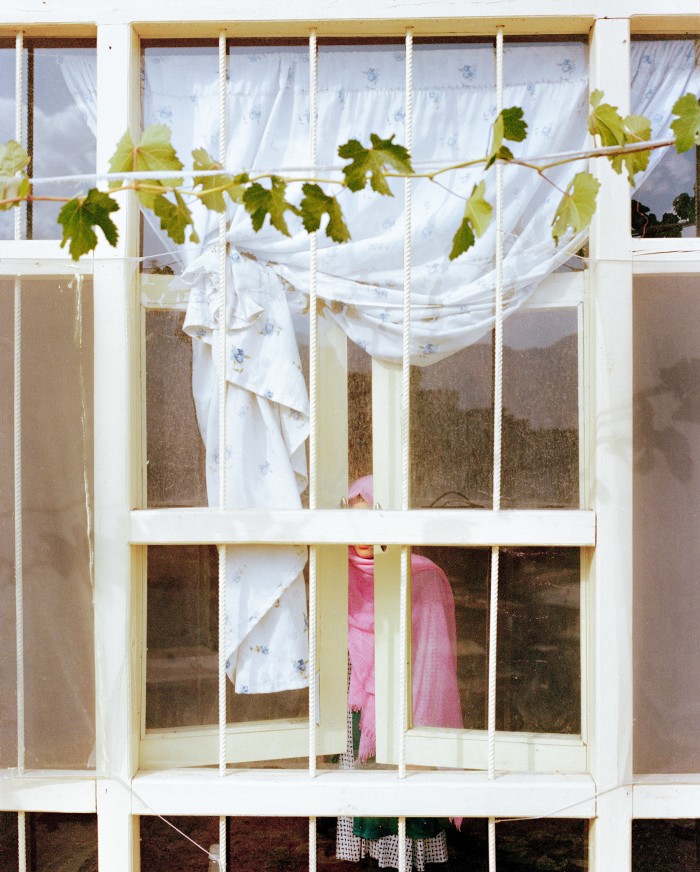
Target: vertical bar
313, 391
313, 440
223, 550
404, 605
29, 229
497, 445
17, 435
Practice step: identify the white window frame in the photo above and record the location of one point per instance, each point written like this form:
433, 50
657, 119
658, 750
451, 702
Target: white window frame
118, 792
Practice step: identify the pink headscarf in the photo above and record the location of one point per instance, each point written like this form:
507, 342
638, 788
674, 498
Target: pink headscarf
434, 664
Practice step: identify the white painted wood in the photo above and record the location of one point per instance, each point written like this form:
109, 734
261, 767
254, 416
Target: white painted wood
611, 832
245, 743
459, 527
52, 792
610, 674
666, 796
118, 479
118, 845
553, 14
515, 752
39, 257
288, 792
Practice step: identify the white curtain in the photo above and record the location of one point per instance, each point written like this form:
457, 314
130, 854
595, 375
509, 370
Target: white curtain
361, 90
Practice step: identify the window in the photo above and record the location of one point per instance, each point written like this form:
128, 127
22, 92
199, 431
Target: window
130, 732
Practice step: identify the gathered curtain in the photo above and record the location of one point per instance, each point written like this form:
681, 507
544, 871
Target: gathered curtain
361, 90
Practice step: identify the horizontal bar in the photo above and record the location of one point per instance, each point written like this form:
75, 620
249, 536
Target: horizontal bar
371, 793
515, 752
666, 796
466, 527
61, 792
267, 740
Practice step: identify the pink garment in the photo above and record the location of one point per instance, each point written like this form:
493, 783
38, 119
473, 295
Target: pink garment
433, 640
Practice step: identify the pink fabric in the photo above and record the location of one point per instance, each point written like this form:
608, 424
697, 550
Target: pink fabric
434, 642
363, 487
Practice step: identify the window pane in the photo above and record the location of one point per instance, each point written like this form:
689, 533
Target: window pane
666, 511
175, 450
56, 480
58, 126
7, 121
8, 840
8, 658
452, 419
165, 850
665, 846
57, 842
539, 636
182, 666
664, 203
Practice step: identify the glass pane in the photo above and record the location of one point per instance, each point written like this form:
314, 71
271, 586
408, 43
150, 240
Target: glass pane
163, 849
182, 639
7, 121
9, 847
56, 481
539, 636
665, 846
61, 127
452, 419
62, 842
58, 129
8, 658
175, 450
666, 511
664, 203
179, 84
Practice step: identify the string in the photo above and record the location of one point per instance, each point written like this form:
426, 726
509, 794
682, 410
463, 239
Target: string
497, 440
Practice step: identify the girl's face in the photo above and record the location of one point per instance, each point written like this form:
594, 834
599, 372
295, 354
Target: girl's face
366, 551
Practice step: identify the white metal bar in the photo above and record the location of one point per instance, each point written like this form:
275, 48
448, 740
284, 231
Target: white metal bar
461, 528
313, 436
372, 792
223, 465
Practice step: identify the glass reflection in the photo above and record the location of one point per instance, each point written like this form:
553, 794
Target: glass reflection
452, 419
539, 660
182, 639
665, 845
56, 479
58, 126
666, 511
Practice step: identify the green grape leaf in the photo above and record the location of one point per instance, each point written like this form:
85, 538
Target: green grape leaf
13, 158
260, 202
514, 125
373, 161
463, 239
174, 217
154, 152
211, 194
80, 215
577, 206
13, 188
637, 129
605, 121
478, 210
686, 127
508, 125
314, 205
